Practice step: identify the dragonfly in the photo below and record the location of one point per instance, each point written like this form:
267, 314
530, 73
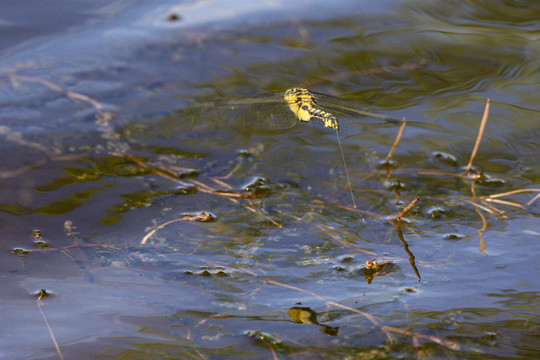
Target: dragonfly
284, 110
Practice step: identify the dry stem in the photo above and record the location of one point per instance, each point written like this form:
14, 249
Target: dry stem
407, 208
396, 142
479, 137
51, 333
201, 216
63, 249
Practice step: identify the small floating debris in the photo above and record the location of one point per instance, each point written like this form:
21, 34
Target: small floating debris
173, 17
371, 264
453, 236
387, 164
42, 244
492, 182
259, 188
20, 251
436, 212
372, 268
209, 271
39, 241
263, 336
42, 294
444, 158
409, 290
396, 185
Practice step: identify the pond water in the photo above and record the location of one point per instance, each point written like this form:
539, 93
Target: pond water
141, 219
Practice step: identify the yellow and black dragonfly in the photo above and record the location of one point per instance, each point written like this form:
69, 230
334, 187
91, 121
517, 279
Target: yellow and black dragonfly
284, 110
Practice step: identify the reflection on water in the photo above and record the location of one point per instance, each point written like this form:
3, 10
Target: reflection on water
167, 234
305, 315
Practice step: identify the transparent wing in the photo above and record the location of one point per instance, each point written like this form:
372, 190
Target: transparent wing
271, 112
264, 112
343, 109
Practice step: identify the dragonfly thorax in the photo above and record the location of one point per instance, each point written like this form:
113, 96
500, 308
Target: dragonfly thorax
303, 104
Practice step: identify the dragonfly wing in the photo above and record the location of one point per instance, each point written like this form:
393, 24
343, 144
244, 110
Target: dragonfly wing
342, 109
265, 112
272, 116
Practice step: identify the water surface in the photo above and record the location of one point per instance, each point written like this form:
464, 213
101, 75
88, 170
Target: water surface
163, 231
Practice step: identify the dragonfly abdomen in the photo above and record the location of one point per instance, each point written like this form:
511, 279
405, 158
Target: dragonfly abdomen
330, 121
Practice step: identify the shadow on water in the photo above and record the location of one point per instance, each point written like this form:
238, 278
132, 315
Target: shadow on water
161, 226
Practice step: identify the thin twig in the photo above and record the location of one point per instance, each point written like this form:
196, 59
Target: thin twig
51, 333
63, 249
519, 191
491, 210
201, 355
505, 202
396, 142
449, 344
252, 209
156, 229
407, 208
479, 137
429, 172
346, 169
186, 217
533, 200
52, 86
274, 354
168, 174
221, 183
